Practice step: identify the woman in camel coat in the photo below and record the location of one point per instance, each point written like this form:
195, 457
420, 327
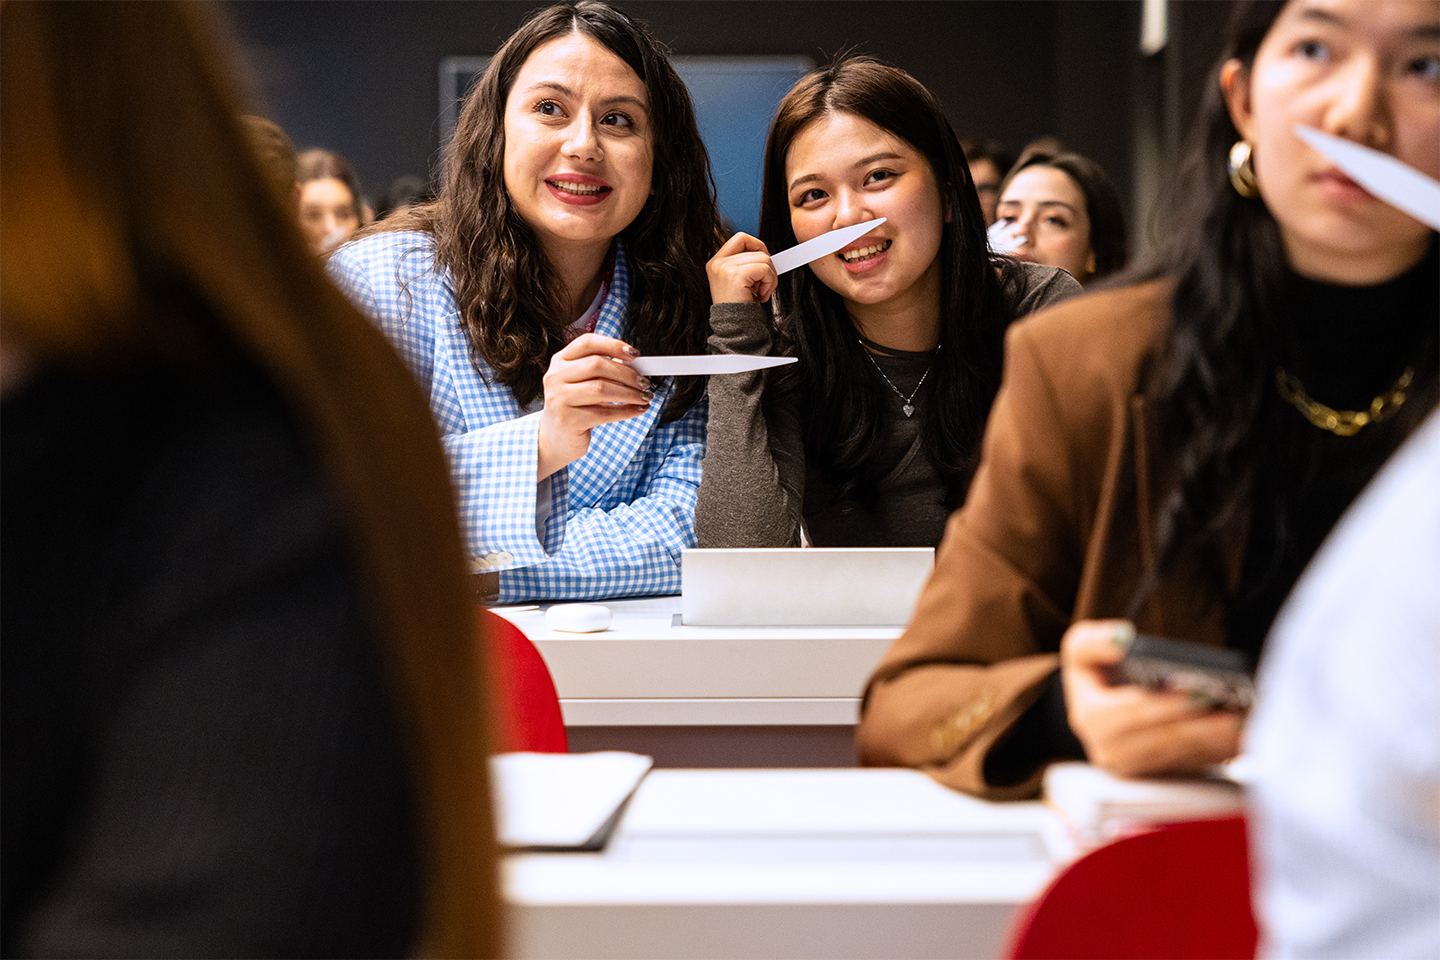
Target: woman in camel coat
1165, 457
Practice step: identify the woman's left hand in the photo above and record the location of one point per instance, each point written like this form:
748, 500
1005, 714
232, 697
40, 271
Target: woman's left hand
1130, 730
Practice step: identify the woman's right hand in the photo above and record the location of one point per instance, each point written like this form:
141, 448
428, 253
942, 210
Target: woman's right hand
741, 272
1130, 730
585, 387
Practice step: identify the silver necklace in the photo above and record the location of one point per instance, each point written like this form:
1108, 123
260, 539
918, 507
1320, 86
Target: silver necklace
907, 406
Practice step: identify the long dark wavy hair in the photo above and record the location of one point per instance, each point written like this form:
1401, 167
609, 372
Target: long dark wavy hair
1108, 240
842, 424
1212, 385
506, 290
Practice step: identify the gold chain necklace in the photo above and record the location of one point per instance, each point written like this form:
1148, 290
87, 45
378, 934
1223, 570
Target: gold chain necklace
1343, 423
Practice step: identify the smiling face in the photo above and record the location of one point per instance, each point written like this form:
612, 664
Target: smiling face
328, 213
842, 170
1047, 212
1365, 70
579, 148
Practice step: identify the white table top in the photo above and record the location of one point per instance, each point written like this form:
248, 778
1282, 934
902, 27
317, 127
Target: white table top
742, 836
826, 847
648, 669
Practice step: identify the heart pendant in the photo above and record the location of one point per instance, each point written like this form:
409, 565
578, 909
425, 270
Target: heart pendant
908, 409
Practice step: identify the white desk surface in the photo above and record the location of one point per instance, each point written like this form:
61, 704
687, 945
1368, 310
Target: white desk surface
647, 670
789, 863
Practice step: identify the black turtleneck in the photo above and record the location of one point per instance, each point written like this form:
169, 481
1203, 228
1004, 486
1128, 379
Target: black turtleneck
1346, 345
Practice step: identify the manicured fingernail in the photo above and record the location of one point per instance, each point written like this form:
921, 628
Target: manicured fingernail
631, 350
1123, 635
645, 383
649, 395
1201, 699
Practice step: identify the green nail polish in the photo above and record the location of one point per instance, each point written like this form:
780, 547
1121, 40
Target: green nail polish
1123, 635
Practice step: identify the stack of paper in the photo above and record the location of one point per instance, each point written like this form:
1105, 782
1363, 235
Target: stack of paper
1099, 806
562, 801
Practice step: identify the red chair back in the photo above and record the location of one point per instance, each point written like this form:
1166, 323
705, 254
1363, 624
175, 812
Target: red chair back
1180, 891
528, 707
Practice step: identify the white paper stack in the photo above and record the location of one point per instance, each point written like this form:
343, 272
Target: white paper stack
562, 800
1099, 806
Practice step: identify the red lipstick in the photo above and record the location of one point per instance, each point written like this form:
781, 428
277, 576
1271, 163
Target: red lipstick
578, 189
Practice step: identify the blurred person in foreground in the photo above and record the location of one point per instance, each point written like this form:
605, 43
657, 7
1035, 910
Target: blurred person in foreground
1342, 746
242, 704
273, 147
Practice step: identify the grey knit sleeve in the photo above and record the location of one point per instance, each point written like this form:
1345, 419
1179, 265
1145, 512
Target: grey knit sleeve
754, 471
1044, 286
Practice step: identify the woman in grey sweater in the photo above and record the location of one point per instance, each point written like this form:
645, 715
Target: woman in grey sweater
872, 437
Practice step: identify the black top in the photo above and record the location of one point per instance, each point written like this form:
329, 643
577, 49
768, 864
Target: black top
912, 512
1346, 345
198, 751
759, 488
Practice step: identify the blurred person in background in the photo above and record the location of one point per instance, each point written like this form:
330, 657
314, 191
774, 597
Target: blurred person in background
989, 161
331, 208
242, 705
406, 190
1061, 209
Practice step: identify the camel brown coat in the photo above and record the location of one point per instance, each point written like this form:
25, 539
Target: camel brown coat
1057, 528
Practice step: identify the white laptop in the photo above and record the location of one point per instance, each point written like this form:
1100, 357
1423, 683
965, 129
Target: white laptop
802, 586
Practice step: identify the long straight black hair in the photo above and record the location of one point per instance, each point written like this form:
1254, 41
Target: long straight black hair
1216, 373
841, 423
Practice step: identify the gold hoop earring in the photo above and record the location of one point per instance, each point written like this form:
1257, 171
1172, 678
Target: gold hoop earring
1242, 170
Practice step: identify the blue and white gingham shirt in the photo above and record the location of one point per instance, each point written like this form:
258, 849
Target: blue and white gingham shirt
617, 518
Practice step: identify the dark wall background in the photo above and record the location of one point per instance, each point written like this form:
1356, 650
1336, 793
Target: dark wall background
361, 77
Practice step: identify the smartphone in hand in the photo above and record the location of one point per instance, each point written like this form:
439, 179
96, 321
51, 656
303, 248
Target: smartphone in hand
1214, 674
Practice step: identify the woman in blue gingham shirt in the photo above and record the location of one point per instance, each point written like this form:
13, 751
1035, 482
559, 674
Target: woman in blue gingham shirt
576, 186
